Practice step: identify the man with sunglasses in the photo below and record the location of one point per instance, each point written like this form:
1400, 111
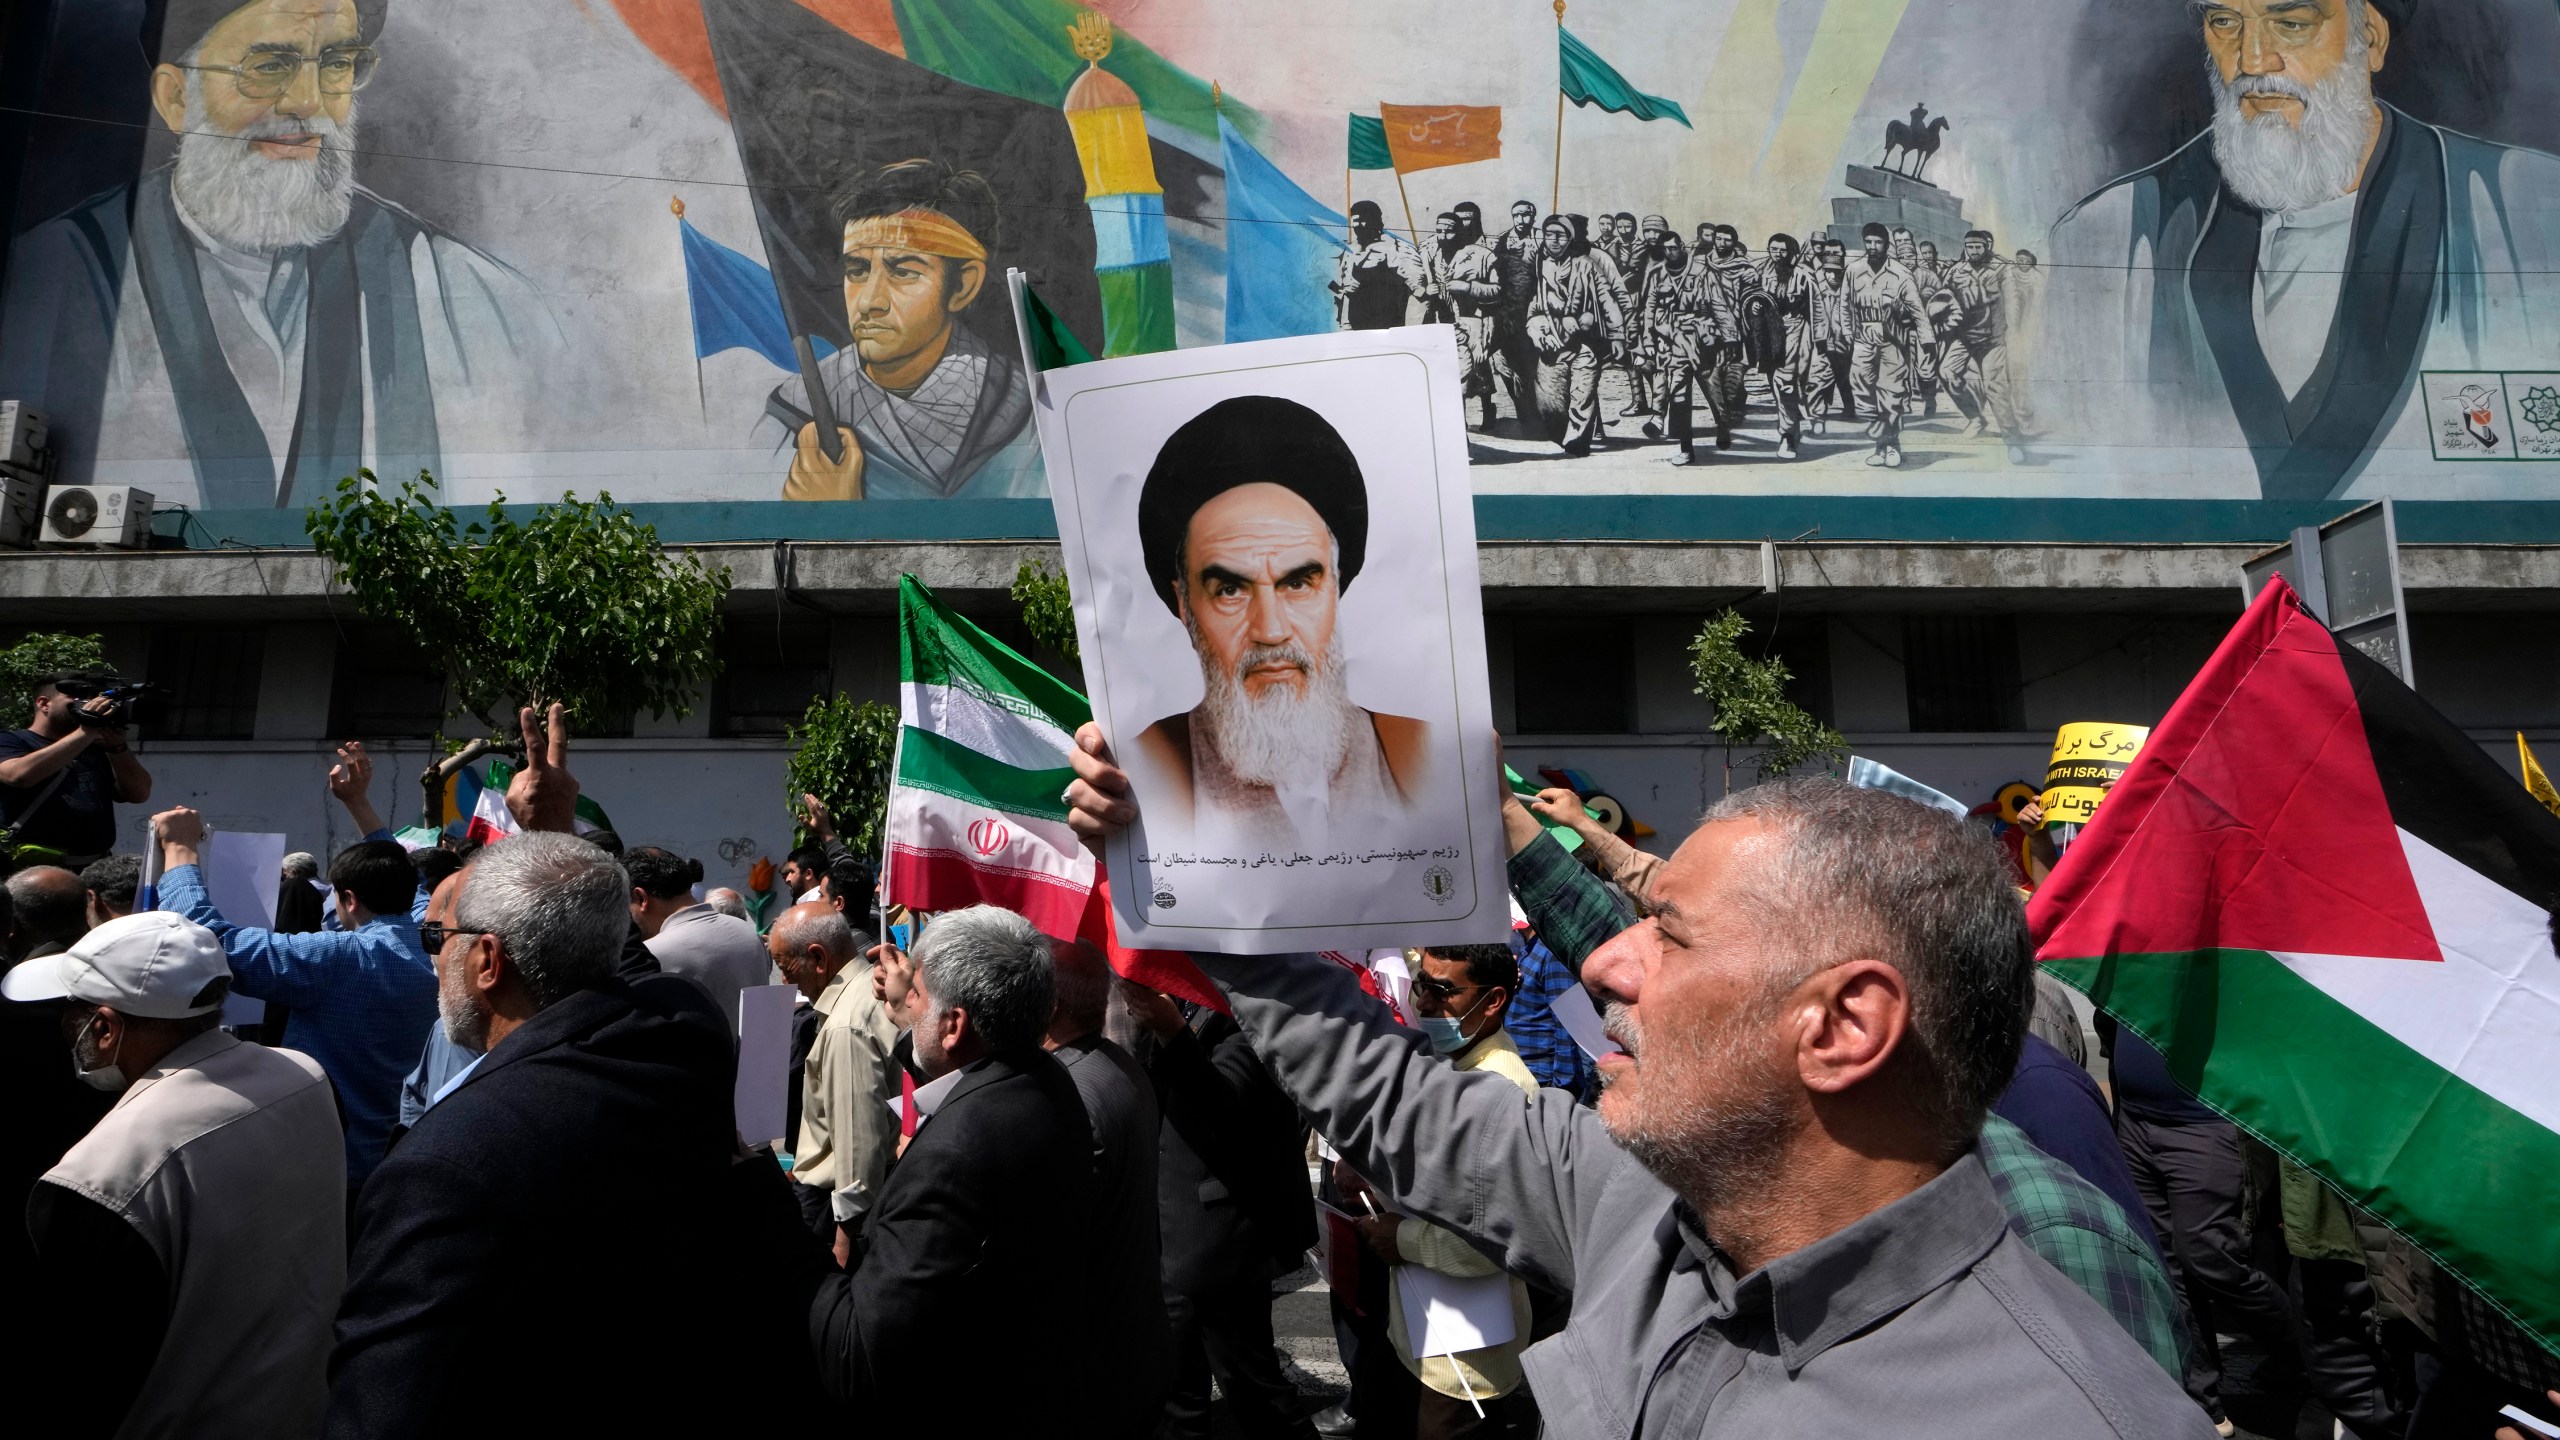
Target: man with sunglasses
248, 305
61, 779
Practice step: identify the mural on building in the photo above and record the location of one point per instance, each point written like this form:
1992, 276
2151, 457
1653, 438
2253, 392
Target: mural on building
2294, 250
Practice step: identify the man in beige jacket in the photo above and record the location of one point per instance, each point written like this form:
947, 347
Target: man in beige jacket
847, 1131
208, 1208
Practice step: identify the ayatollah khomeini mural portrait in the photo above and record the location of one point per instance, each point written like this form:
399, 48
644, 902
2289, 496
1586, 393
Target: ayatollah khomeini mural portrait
2282, 282
1253, 521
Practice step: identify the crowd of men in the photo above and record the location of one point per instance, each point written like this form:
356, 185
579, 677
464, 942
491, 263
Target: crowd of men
1804, 328
1844, 1173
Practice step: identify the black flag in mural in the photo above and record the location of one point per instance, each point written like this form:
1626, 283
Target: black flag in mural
812, 107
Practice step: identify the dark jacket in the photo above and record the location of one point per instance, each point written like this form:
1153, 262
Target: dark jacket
966, 1293
2062, 1111
1232, 1172
1124, 1250
578, 1203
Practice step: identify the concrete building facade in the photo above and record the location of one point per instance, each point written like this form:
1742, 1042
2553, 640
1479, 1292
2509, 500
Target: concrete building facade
1953, 662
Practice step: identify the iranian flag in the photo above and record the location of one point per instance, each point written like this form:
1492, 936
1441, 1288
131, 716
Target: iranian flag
2331, 911
977, 804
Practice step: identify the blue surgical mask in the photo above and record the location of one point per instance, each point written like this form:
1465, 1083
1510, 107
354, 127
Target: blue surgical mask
1447, 1035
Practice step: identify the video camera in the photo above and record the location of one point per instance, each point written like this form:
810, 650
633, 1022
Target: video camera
129, 702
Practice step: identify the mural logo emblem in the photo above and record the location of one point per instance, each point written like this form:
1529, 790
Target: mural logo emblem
1439, 884
2467, 417
2538, 411
1164, 896
988, 836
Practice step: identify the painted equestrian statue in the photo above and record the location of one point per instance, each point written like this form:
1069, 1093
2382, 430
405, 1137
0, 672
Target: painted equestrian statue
1916, 138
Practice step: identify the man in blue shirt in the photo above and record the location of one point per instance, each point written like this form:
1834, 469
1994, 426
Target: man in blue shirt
362, 996
1545, 1045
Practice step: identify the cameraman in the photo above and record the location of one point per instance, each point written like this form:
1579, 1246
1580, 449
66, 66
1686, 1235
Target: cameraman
62, 777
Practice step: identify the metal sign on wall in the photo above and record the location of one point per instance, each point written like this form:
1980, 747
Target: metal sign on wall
2348, 574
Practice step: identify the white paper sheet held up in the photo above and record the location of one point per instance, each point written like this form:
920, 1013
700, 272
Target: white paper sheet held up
242, 872
764, 1061
1582, 1021
1444, 1315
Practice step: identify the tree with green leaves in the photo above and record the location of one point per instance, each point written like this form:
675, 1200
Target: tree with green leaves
577, 604
1750, 704
841, 754
1048, 610
43, 653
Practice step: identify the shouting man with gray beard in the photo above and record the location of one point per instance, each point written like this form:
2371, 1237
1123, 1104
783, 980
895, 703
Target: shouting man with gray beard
1253, 521
256, 317
2278, 284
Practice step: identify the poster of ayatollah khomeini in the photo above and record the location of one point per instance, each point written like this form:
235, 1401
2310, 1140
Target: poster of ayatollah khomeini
1273, 553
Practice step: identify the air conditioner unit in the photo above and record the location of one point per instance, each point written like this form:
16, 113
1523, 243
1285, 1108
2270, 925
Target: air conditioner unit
116, 515
22, 434
21, 509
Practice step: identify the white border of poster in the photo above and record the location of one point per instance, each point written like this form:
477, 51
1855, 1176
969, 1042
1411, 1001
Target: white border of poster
1403, 844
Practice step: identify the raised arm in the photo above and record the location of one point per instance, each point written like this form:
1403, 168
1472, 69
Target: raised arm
1470, 1152
292, 970
1513, 1173
351, 780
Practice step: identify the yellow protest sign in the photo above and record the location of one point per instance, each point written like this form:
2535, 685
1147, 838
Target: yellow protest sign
2088, 757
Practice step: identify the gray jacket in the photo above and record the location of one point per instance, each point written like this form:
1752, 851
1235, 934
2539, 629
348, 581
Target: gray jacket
1928, 1317
720, 953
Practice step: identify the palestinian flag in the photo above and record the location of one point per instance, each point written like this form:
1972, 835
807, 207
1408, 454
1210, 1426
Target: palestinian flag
977, 801
2331, 911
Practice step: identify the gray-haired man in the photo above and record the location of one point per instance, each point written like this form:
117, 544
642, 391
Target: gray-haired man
847, 1134
1775, 1224
975, 1260
569, 1203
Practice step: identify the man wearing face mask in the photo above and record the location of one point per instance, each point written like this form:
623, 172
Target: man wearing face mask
207, 1210
1460, 994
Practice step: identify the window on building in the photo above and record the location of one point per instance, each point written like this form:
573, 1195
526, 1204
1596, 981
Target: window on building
1804, 646
769, 673
212, 676
1960, 672
1572, 675
384, 687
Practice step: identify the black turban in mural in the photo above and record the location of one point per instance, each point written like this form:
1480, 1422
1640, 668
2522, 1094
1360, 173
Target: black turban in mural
1248, 440
173, 27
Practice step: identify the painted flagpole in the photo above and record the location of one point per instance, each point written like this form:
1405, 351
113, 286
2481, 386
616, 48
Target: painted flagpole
675, 206
1555, 191
1409, 228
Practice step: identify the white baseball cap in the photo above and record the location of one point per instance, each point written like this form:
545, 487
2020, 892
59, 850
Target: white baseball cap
154, 964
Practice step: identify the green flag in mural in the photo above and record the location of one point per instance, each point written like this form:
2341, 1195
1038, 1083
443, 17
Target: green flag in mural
1369, 145
1020, 48
1052, 343
1589, 80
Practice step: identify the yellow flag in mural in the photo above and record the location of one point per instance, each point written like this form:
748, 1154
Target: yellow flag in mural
1424, 137
2536, 784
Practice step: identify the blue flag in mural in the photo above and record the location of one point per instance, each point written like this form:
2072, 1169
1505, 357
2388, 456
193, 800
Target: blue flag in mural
1281, 242
734, 304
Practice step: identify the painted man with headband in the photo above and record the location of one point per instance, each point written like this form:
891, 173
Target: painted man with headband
1253, 521
2279, 284
924, 408
261, 323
